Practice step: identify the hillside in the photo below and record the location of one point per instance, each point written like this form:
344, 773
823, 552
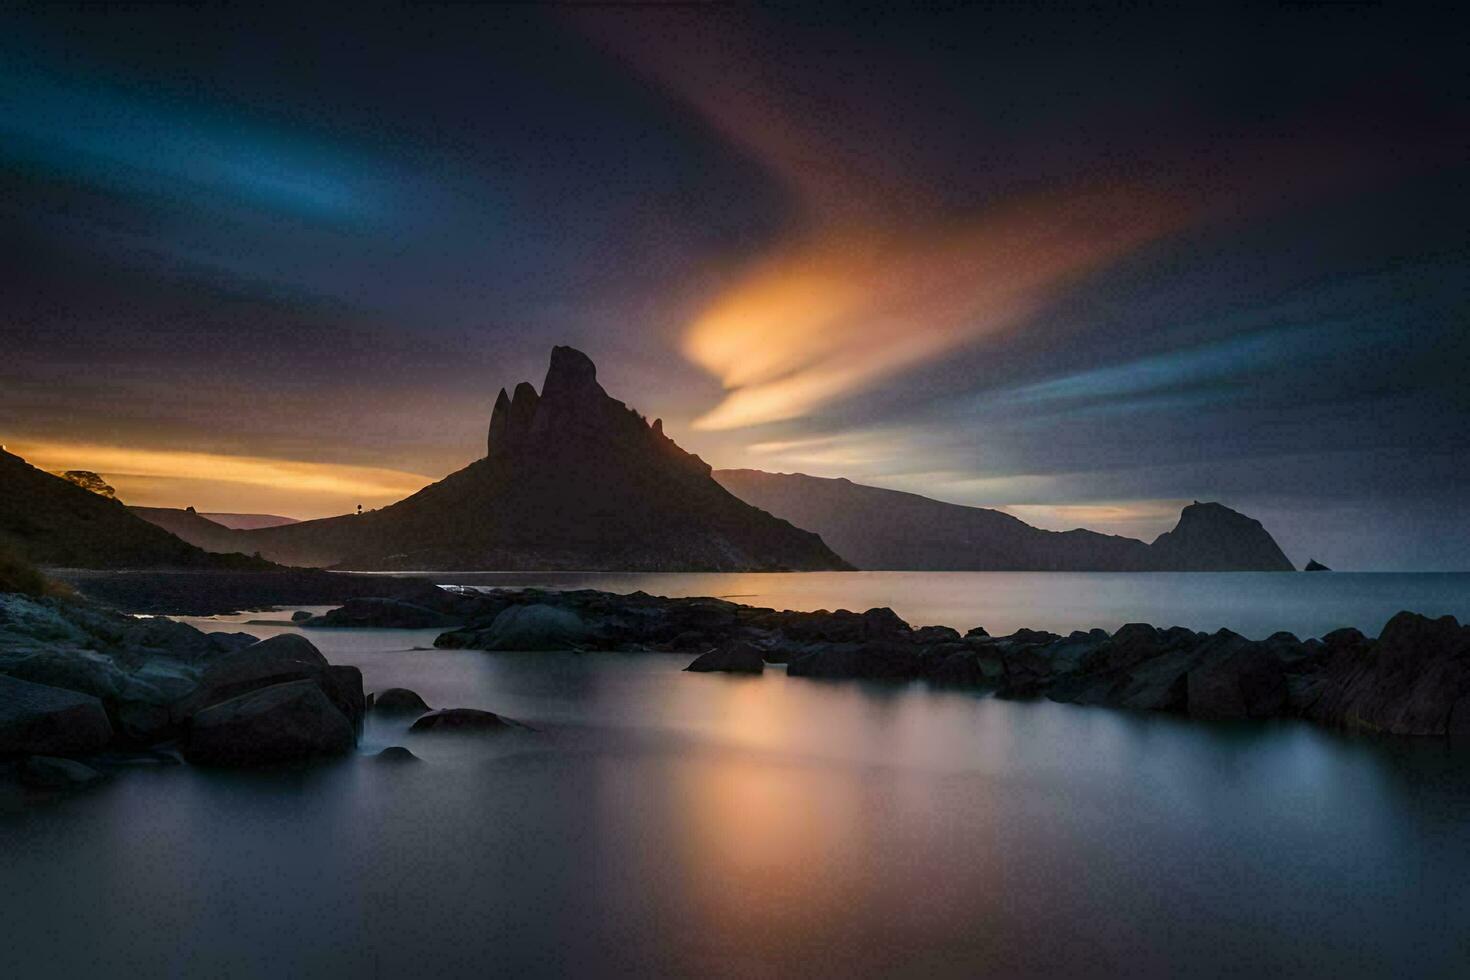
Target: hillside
50, 521
888, 529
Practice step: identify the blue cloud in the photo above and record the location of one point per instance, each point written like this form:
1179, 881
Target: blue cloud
161, 147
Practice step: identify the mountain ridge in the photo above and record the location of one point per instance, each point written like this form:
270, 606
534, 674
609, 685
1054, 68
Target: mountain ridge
572, 479
877, 528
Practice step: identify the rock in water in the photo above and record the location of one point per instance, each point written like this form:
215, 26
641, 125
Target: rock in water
1316, 566
1214, 538
300, 616
1248, 683
536, 627
1415, 680
462, 720
287, 657
396, 753
382, 614
282, 723
732, 658
40, 720
399, 701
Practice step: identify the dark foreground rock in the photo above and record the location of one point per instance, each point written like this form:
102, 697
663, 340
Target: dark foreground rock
80, 681
39, 720
281, 723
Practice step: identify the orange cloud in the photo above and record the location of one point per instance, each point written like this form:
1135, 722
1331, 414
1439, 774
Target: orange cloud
844, 307
165, 477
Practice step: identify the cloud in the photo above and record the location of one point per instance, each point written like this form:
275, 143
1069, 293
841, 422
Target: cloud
166, 477
844, 308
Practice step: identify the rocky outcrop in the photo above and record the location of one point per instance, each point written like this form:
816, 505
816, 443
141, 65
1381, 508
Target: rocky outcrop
381, 614
76, 680
572, 479
1214, 538
1315, 566
280, 723
36, 719
875, 528
1414, 679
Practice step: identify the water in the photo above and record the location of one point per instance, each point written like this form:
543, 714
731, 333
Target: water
665, 823
1254, 604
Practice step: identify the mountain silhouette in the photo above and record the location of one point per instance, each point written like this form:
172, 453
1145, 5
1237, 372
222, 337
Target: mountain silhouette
53, 521
572, 479
876, 528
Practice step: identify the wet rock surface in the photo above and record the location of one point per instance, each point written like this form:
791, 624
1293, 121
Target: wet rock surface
1413, 680
82, 683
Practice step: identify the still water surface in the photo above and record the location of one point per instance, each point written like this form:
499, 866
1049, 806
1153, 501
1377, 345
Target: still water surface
665, 823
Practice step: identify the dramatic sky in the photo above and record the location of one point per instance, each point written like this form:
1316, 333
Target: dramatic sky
1083, 267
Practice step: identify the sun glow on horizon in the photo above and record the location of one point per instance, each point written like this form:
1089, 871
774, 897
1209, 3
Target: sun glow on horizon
218, 481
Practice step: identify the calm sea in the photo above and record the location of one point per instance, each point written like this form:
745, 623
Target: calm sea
662, 823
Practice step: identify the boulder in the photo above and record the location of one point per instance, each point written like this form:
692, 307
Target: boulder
281, 723
1410, 682
396, 753
49, 772
737, 657
39, 720
1246, 683
462, 720
300, 616
535, 627
399, 701
288, 657
1316, 566
927, 635
876, 660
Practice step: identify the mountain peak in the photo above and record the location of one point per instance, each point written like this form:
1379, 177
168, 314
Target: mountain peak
1212, 537
570, 371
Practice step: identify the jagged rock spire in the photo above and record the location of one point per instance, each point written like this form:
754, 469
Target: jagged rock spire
499, 422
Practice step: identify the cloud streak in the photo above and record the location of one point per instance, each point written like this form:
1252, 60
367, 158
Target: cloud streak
149, 470
845, 308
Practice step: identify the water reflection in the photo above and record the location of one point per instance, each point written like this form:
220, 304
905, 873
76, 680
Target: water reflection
663, 823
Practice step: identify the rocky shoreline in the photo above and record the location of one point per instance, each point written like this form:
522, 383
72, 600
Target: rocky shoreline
1413, 679
84, 689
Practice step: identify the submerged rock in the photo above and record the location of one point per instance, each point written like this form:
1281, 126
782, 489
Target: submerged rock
396, 753
399, 701
732, 658
282, 723
462, 720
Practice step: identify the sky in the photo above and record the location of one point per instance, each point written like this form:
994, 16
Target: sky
1085, 266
